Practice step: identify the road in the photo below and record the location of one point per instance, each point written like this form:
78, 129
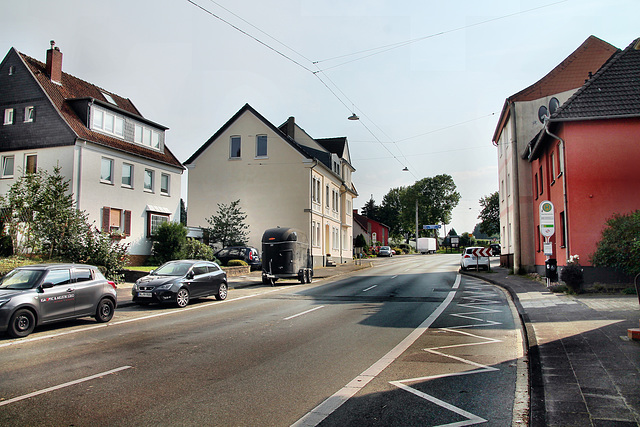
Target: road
408, 342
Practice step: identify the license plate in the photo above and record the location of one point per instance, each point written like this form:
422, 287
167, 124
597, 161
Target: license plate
144, 294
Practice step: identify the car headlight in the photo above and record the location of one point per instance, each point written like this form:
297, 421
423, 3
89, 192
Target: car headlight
4, 301
165, 287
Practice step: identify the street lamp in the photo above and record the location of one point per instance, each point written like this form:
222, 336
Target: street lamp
353, 117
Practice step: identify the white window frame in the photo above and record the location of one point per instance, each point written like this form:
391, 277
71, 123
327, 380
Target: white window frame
165, 191
131, 169
29, 114
9, 115
231, 151
155, 220
4, 166
266, 147
102, 164
150, 173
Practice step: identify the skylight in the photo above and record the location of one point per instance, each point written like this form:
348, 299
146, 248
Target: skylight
109, 98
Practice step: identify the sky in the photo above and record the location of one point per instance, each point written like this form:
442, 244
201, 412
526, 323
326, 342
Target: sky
427, 79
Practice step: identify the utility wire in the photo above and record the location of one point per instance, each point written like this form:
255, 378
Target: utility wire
382, 49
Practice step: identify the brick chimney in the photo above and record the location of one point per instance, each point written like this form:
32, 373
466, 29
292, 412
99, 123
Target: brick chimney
54, 63
290, 129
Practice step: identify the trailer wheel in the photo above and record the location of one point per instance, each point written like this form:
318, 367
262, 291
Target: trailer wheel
309, 276
302, 276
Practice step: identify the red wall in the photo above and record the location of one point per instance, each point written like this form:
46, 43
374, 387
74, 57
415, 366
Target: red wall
602, 178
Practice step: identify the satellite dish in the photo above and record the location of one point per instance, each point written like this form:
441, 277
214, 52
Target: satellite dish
553, 105
543, 113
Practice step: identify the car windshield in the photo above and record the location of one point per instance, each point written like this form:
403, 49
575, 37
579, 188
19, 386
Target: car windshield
21, 279
385, 248
173, 269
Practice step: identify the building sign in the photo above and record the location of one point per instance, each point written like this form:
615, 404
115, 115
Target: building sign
547, 219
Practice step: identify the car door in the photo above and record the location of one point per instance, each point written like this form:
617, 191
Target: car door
216, 277
57, 299
88, 291
199, 285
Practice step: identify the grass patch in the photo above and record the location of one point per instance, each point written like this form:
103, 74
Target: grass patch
144, 268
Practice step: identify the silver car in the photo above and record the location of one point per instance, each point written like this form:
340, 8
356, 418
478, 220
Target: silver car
38, 294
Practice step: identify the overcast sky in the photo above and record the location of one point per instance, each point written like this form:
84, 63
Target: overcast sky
428, 79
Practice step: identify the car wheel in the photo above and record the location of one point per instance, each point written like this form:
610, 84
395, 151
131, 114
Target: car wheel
182, 298
22, 323
302, 277
104, 312
222, 292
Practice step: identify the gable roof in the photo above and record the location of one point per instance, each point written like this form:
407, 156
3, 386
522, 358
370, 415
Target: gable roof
569, 74
613, 92
73, 89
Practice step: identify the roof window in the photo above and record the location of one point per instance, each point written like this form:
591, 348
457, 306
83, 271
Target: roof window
109, 98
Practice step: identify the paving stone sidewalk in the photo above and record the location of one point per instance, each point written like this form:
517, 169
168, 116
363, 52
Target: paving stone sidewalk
584, 371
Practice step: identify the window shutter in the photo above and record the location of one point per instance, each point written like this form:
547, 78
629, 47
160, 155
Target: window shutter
127, 223
106, 212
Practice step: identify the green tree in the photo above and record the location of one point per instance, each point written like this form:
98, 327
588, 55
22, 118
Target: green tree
370, 210
169, 242
619, 246
183, 213
227, 225
391, 210
490, 214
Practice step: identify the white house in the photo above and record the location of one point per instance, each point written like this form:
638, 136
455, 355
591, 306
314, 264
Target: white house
282, 177
120, 169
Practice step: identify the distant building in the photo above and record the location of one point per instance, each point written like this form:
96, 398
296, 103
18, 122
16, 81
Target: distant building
585, 161
121, 171
520, 121
282, 177
372, 230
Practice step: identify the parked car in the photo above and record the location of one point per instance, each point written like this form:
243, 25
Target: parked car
180, 281
495, 249
469, 260
245, 253
35, 295
385, 251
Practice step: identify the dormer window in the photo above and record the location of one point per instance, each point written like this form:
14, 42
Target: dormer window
107, 122
109, 98
119, 125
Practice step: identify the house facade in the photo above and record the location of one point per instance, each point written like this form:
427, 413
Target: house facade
520, 121
372, 230
121, 172
585, 161
282, 177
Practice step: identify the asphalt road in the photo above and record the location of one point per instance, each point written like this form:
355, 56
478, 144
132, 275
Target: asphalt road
408, 342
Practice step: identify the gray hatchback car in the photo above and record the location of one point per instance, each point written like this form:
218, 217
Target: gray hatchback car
38, 294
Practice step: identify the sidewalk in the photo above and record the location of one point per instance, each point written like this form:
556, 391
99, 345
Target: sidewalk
584, 371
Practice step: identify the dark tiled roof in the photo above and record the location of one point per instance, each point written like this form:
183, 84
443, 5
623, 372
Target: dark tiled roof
334, 145
614, 91
73, 88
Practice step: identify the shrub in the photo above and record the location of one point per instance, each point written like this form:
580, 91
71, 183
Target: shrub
195, 249
572, 274
619, 246
169, 243
237, 263
97, 248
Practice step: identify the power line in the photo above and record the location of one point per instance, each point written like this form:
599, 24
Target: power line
382, 49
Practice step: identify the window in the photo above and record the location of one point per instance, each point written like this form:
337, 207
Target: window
315, 190
107, 122
199, 270
109, 98
536, 184
552, 160
58, 277
164, 184
314, 225
148, 180
137, 134
235, 149
12, 70
261, 146
127, 175
7, 166
31, 163
8, 116
326, 196
116, 221
29, 114
563, 231
83, 274
335, 200
154, 221
541, 181
106, 170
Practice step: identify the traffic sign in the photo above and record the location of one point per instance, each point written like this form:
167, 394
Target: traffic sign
431, 227
547, 219
478, 252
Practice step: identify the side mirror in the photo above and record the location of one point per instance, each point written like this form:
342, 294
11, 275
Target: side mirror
190, 275
46, 285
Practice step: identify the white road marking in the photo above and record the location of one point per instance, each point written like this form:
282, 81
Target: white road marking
304, 312
58, 387
326, 408
122, 322
369, 288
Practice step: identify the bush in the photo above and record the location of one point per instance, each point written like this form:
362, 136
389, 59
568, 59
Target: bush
572, 274
168, 243
619, 246
237, 263
99, 249
195, 249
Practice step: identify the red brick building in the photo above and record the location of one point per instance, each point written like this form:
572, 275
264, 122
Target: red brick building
372, 230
